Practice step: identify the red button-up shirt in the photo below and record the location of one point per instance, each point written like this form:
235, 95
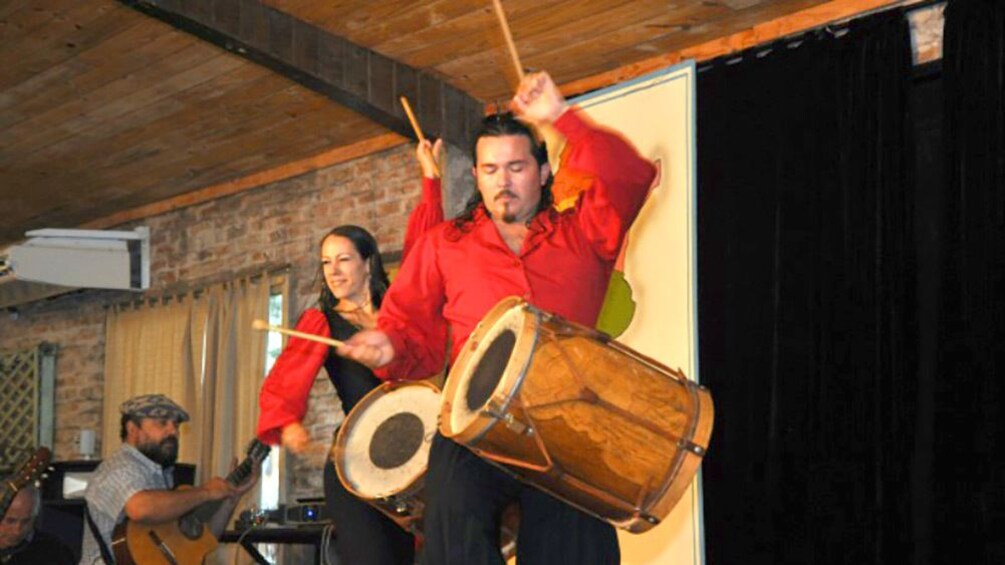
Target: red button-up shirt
454, 277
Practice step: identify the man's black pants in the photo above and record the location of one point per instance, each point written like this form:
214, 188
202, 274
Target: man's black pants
465, 497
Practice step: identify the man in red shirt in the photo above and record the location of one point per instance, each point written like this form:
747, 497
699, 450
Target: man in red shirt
509, 241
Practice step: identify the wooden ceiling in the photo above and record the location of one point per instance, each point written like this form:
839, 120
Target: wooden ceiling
104, 109
461, 39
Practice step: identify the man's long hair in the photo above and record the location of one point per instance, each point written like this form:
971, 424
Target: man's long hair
366, 246
499, 125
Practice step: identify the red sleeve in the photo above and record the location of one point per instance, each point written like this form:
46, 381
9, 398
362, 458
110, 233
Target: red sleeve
428, 213
411, 315
284, 394
621, 179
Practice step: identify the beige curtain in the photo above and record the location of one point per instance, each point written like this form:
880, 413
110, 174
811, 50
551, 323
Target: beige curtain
150, 348
234, 364
201, 352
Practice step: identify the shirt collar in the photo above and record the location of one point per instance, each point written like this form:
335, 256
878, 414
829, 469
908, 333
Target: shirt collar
143, 459
542, 224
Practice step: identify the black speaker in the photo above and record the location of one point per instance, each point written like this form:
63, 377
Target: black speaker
64, 519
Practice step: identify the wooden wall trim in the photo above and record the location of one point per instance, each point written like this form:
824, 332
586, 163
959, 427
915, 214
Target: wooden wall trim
794, 23
254, 180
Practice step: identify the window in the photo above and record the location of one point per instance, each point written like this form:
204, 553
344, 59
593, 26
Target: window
271, 479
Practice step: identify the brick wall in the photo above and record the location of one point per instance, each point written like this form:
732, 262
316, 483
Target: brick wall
275, 224
926, 33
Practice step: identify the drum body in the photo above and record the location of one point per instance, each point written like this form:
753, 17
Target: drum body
577, 415
382, 449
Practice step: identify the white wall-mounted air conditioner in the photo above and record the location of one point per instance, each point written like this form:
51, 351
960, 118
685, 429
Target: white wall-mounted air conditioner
55, 261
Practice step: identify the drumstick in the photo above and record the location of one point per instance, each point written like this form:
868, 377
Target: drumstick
264, 326
416, 128
509, 39
411, 119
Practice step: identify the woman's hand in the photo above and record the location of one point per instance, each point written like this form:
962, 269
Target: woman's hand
428, 154
295, 438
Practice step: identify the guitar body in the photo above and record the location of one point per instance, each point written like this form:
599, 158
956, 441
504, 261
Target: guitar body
186, 541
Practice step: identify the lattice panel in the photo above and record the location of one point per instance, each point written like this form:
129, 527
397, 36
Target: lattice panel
19, 405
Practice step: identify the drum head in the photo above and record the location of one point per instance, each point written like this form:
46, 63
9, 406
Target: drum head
386, 445
503, 343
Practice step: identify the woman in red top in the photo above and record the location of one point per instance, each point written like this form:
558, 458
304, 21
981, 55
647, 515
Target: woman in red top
354, 283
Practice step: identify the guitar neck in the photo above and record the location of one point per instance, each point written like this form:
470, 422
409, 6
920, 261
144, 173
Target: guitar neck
241, 472
236, 477
8, 497
206, 510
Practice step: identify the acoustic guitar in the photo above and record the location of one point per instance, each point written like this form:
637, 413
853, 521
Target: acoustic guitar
187, 540
31, 471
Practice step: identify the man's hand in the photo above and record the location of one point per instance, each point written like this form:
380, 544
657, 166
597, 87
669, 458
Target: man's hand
428, 155
218, 522
217, 489
537, 100
248, 483
368, 347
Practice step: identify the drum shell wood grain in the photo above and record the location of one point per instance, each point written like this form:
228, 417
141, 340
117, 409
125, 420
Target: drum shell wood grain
614, 433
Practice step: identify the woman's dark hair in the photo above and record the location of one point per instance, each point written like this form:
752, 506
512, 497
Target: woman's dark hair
366, 246
499, 125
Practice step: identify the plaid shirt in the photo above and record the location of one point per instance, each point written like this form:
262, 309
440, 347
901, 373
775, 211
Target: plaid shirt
118, 478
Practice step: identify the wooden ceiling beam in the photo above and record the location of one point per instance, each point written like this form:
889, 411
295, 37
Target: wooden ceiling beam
351, 75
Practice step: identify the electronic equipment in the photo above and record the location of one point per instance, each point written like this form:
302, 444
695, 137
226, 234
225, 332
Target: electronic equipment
56, 261
285, 514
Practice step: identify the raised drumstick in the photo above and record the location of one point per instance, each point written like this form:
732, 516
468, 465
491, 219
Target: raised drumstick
415, 126
411, 119
264, 326
509, 39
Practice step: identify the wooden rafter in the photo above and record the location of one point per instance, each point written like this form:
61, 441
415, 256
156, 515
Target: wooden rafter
353, 76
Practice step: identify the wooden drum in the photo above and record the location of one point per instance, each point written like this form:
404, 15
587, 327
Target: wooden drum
578, 415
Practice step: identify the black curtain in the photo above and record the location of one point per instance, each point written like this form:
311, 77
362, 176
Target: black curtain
968, 469
806, 298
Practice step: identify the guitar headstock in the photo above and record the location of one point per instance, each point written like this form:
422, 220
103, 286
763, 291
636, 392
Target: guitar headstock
32, 470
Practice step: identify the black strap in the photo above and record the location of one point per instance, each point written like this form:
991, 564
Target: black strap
105, 553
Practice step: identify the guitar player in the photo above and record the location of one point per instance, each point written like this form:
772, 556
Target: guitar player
136, 481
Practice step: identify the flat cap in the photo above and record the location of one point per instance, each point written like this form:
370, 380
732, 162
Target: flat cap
153, 406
